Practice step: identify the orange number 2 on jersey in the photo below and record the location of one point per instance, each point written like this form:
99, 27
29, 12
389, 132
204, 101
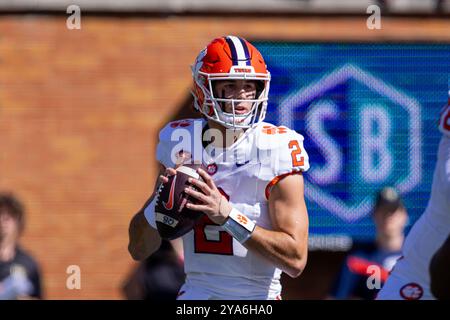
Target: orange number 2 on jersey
296, 162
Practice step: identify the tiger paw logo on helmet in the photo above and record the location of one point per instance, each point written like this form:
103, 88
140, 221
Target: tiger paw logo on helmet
199, 60
230, 58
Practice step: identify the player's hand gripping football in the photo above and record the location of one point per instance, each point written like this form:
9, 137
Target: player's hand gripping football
213, 203
171, 171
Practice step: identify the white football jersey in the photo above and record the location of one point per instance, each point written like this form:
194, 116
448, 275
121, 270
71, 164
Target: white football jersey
410, 276
244, 173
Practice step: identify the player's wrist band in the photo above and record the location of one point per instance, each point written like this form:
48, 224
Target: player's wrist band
239, 226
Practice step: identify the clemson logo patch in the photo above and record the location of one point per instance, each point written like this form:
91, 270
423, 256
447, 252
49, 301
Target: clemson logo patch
411, 291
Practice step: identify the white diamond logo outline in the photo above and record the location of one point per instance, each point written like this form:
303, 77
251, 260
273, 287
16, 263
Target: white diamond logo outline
342, 74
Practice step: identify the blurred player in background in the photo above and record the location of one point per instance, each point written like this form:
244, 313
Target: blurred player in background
439, 272
19, 273
410, 278
160, 276
256, 222
390, 218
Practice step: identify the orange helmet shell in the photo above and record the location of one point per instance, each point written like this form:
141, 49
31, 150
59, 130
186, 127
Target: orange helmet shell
231, 58
224, 53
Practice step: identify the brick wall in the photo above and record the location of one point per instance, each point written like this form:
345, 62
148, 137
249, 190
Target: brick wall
79, 114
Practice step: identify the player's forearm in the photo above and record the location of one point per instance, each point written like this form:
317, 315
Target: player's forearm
144, 240
287, 253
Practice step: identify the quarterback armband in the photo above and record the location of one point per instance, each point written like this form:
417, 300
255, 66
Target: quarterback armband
239, 226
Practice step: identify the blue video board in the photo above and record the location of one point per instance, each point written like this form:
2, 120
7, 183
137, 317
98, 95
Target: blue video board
368, 112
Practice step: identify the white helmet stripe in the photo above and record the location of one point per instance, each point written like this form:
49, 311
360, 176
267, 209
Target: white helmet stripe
239, 51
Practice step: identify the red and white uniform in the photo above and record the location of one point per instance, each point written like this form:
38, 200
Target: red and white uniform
217, 266
410, 278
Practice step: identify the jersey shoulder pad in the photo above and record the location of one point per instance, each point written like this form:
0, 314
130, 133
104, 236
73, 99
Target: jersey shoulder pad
284, 151
175, 137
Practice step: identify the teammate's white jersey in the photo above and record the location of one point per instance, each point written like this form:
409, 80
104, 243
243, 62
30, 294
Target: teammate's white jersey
217, 266
444, 120
410, 276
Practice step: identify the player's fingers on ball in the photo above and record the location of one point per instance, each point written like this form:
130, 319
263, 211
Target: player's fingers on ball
163, 179
200, 184
198, 195
171, 171
197, 207
207, 178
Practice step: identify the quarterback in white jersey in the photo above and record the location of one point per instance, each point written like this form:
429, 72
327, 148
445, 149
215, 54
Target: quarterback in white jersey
410, 279
256, 224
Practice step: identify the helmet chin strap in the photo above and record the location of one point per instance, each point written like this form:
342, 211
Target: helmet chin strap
234, 119
237, 119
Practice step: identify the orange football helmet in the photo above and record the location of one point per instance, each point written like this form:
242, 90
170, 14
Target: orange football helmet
230, 58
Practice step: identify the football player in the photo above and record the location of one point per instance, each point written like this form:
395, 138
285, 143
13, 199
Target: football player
439, 275
410, 278
256, 224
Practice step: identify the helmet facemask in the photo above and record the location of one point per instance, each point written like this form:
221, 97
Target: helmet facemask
213, 107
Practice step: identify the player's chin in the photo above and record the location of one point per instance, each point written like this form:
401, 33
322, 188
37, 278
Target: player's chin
239, 109
241, 112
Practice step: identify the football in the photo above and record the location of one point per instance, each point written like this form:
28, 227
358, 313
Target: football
173, 219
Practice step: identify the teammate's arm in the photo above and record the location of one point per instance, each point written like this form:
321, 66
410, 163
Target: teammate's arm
143, 239
439, 272
287, 244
